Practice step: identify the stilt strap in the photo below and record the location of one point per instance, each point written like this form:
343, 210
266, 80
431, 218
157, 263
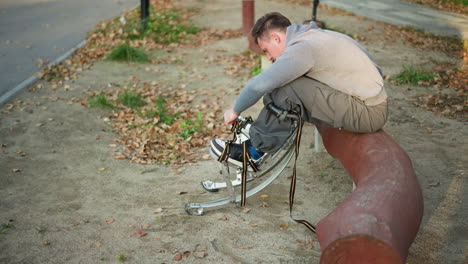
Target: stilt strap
246, 158
292, 189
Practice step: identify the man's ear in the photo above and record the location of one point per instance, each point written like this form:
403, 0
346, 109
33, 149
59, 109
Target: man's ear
276, 36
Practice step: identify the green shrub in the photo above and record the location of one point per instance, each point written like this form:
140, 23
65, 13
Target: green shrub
100, 100
131, 99
160, 111
125, 52
413, 76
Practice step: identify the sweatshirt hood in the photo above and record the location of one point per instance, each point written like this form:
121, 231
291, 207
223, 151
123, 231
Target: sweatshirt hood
295, 29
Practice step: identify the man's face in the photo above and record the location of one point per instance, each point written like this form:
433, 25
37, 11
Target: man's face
272, 45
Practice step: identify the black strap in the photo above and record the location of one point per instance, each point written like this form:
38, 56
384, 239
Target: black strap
292, 189
246, 158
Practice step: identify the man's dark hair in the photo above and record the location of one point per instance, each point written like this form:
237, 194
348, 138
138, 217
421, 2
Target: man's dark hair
270, 21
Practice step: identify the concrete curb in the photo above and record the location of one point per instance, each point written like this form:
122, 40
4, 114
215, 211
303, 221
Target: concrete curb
31, 80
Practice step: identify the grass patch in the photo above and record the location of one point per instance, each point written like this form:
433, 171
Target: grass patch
257, 69
460, 2
163, 27
160, 110
321, 175
414, 76
5, 227
190, 127
131, 99
339, 30
167, 28
121, 257
100, 100
125, 52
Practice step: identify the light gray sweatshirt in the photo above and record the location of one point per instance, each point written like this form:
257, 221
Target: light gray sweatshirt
327, 56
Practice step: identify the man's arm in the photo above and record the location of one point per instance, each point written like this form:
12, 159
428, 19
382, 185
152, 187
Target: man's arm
295, 61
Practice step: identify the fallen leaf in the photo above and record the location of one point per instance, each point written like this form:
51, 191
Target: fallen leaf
284, 227
159, 210
146, 226
264, 204
121, 157
200, 254
110, 220
245, 210
98, 245
264, 196
223, 218
178, 257
102, 169
140, 233
242, 247
45, 242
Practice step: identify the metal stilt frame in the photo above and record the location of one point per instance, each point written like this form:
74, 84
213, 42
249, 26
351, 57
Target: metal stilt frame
271, 168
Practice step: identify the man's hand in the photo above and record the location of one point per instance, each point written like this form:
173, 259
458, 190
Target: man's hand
230, 116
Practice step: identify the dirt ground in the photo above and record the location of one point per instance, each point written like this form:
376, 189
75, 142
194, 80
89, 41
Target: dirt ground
65, 199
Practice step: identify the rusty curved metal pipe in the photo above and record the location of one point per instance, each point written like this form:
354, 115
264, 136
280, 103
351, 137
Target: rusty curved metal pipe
378, 222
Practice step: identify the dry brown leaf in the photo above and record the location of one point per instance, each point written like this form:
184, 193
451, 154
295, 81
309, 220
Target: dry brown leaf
245, 210
178, 257
110, 220
223, 218
243, 247
159, 210
200, 254
140, 233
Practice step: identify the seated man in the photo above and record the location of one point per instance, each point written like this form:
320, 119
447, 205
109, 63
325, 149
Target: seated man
326, 75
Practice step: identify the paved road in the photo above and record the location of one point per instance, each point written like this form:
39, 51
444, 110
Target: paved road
402, 13
45, 29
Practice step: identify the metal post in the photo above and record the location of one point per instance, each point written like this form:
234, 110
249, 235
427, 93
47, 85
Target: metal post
314, 10
248, 15
144, 13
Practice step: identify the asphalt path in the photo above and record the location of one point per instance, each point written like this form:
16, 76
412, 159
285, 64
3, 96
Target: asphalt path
35, 31
401, 13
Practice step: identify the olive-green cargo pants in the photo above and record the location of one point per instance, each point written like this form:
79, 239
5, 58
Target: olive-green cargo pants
319, 104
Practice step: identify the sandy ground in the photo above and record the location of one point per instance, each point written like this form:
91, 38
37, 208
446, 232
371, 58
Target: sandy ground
72, 202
